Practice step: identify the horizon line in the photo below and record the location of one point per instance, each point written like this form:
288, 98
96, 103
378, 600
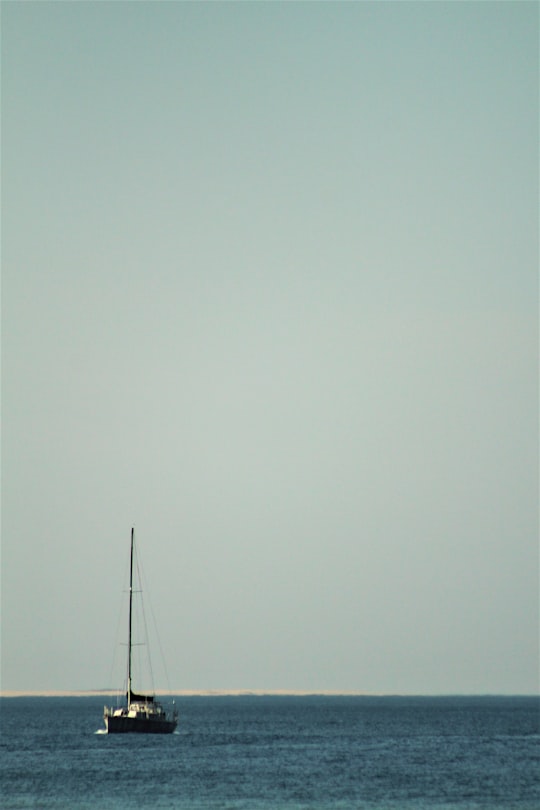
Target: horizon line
15, 693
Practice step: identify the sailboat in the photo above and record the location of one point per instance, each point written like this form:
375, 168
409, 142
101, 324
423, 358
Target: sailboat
141, 713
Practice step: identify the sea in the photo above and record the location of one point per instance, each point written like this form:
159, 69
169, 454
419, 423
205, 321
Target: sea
254, 752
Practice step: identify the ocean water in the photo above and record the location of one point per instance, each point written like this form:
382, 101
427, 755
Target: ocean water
279, 753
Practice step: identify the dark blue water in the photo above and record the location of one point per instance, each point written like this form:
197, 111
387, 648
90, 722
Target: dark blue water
250, 753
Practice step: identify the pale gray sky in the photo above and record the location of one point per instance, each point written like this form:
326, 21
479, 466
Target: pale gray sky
269, 290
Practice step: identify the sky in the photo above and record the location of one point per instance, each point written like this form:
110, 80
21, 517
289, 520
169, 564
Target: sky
270, 296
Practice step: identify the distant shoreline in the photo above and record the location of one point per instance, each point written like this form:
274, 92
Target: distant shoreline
180, 693
111, 693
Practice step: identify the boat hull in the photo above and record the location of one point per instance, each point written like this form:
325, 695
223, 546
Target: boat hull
139, 725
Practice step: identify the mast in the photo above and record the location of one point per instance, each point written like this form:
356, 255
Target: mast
129, 630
